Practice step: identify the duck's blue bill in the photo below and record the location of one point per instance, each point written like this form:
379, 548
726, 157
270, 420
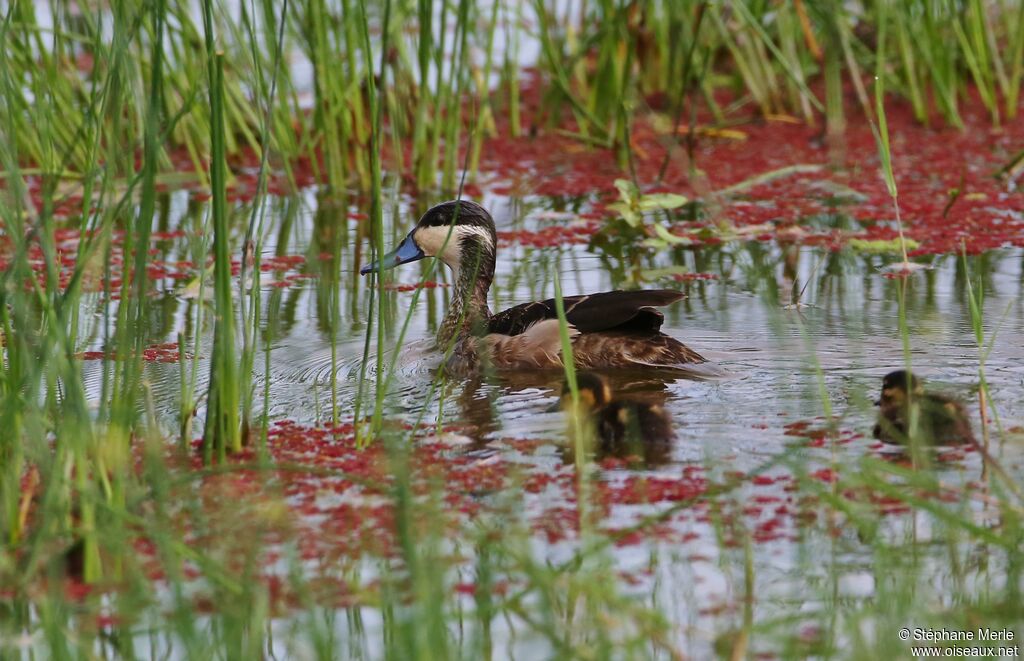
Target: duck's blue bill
407, 251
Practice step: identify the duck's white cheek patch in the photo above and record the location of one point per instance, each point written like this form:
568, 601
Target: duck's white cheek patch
436, 242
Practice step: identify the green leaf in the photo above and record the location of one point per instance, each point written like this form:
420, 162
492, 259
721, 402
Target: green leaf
880, 247
671, 238
627, 213
666, 272
661, 201
628, 191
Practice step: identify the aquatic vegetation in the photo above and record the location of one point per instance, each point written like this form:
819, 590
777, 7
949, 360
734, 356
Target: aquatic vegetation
218, 441
883, 246
632, 205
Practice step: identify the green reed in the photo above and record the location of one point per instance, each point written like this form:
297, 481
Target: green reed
510, 69
222, 433
986, 406
484, 124
422, 155
454, 95
583, 436
252, 244
329, 85
613, 54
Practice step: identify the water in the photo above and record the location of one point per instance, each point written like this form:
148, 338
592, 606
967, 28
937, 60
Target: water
773, 358
792, 332
744, 321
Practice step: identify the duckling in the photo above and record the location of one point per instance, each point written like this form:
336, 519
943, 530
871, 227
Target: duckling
615, 329
621, 427
941, 419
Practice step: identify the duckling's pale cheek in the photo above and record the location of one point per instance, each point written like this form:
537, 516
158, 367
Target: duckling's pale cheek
586, 401
892, 395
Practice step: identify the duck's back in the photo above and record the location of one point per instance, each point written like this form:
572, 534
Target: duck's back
592, 313
541, 348
624, 420
948, 420
615, 329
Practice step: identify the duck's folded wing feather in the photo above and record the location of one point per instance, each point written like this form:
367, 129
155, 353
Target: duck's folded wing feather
592, 313
617, 349
538, 348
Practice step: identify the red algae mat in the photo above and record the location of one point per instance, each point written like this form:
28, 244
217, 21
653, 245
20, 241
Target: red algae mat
105, 270
330, 504
949, 194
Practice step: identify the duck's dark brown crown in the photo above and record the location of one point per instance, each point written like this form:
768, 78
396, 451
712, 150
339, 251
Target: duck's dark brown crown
460, 212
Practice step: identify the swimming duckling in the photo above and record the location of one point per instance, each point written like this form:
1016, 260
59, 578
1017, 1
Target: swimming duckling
941, 419
621, 427
615, 329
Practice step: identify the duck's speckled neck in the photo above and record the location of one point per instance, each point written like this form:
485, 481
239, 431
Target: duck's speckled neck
468, 313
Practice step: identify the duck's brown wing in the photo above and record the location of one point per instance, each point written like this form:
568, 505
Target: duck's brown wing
626, 349
592, 313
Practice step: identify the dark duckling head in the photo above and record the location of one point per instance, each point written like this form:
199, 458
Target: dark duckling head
896, 385
593, 392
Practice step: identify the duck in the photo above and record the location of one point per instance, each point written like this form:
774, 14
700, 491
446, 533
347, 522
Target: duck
621, 427
942, 420
607, 330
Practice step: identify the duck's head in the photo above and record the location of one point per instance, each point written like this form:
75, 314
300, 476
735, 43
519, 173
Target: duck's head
896, 385
460, 233
592, 389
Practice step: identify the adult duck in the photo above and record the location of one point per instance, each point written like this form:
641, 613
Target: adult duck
615, 329
941, 419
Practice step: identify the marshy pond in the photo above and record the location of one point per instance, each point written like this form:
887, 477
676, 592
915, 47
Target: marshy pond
757, 476
219, 440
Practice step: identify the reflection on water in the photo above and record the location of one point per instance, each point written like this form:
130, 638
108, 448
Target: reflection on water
773, 314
